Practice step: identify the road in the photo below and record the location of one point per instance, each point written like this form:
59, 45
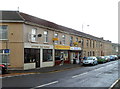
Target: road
102, 75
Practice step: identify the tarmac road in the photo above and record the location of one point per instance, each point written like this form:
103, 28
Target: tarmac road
102, 75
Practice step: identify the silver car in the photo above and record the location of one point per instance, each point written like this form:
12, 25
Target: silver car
90, 60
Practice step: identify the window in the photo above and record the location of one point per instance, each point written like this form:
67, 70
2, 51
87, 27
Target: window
63, 39
3, 32
4, 59
82, 42
87, 43
34, 35
47, 55
71, 41
76, 39
45, 36
31, 55
90, 43
56, 36
93, 53
93, 44
88, 54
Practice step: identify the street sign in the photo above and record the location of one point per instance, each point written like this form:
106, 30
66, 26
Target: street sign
6, 50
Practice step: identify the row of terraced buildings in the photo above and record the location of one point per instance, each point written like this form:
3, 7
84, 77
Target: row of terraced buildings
28, 42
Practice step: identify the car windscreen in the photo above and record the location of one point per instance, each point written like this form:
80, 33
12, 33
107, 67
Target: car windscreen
90, 58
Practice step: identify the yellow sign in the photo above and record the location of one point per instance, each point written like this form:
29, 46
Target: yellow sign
75, 43
62, 47
55, 39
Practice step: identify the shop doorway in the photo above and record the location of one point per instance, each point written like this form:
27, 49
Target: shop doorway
37, 57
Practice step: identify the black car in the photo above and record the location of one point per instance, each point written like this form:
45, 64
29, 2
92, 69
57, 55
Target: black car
3, 68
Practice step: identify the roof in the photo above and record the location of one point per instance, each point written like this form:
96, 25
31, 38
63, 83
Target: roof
19, 16
10, 16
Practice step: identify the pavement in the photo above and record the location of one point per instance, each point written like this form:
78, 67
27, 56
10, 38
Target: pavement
57, 68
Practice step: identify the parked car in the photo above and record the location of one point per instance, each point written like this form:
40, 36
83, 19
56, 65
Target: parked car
90, 60
118, 56
107, 58
3, 68
101, 59
112, 57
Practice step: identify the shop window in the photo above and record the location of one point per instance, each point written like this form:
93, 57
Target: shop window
47, 55
45, 36
31, 55
3, 32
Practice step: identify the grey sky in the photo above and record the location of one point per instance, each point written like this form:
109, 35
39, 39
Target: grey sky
100, 15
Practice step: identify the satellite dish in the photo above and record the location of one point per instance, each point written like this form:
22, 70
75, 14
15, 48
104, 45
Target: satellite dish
39, 35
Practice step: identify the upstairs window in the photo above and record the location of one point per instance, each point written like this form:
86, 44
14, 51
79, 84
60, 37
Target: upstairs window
34, 35
56, 36
82, 42
71, 41
76, 39
87, 43
45, 36
63, 39
3, 32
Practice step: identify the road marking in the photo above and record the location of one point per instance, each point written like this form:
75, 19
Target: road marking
79, 75
111, 87
45, 84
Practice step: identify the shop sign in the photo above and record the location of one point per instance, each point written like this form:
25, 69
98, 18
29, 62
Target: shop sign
75, 48
55, 39
27, 45
62, 47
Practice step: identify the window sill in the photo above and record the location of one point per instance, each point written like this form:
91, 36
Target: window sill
3, 39
45, 42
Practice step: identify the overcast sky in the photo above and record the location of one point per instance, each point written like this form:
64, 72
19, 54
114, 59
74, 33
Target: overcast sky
100, 15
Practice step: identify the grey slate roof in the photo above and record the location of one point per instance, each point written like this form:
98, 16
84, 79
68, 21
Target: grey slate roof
19, 16
10, 15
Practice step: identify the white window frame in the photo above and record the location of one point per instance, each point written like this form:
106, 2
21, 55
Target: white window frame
56, 36
5, 33
45, 36
63, 39
34, 35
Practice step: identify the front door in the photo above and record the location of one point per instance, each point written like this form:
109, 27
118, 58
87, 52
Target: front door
37, 57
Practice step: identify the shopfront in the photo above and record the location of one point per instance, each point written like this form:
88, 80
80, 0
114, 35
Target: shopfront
75, 53
38, 55
61, 54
